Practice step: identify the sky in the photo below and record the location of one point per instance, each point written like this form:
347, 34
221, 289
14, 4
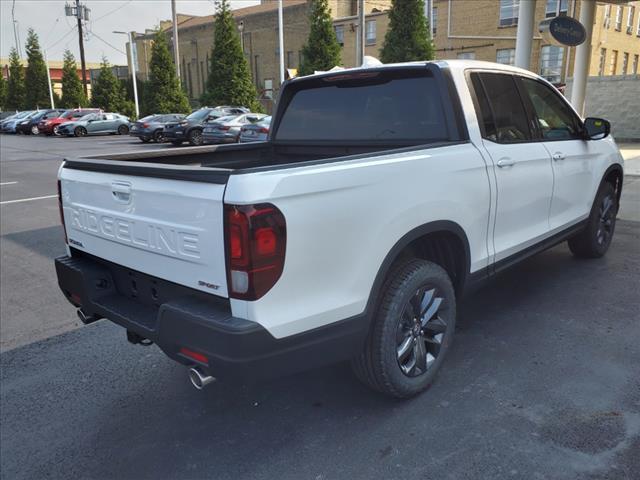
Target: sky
56, 31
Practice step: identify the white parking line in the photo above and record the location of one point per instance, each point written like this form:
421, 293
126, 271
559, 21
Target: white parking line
7, 183
27, 199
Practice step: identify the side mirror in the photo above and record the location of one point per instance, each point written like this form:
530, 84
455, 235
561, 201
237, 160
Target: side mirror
596, 128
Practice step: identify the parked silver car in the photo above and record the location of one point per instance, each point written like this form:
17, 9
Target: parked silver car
256, 132
227, 129
96, 123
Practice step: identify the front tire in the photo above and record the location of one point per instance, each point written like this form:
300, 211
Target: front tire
595, 239
123, 130
35, 130
411, 332
80, 132
56, 131
158, 136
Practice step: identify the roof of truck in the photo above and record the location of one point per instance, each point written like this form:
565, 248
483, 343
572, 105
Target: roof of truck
455, 64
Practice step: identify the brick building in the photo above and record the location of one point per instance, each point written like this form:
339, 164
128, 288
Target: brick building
486, 30
480, 29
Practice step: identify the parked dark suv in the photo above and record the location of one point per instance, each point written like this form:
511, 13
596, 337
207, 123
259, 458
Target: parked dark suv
30, 125
190, 129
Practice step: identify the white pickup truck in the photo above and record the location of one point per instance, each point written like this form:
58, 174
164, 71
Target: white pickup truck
381, 196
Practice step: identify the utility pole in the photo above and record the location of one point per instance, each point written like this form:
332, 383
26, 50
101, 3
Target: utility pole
174, 24
360, 43
81, 13
46, 62
281, 41
133, 70
15, 30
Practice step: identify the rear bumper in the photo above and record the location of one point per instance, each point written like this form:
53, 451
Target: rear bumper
219, 137
178, 317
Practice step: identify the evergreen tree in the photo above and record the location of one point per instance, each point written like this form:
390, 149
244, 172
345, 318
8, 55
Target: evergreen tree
408, 38
229, 81
322, 50
3, 92
163, 94
36, 81
15, 84
107, 92
72, 91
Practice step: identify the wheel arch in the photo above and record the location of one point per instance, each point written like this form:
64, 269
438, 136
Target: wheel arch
613, 175
449, 241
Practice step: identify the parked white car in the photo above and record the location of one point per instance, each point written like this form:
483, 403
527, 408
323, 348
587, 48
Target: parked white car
382, 195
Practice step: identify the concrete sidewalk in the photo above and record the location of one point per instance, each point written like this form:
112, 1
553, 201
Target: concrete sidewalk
631, 154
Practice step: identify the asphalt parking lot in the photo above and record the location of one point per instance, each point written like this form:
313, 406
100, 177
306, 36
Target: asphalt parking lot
542, 382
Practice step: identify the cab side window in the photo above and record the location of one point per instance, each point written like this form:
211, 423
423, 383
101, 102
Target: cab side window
502, 115
553, 117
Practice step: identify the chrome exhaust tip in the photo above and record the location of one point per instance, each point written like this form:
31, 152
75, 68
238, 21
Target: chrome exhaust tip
199, 379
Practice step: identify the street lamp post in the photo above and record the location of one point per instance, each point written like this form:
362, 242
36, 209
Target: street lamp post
133, 70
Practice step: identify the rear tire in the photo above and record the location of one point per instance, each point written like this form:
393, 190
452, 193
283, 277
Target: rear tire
158, 136
56, 131
123, 130
411, 331
195, 137
35, 130
80, 132
595, 239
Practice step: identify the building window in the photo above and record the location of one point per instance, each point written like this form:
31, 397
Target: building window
268, 88
509, 12
551, 63
619, 18
638, 27
290, 60
371, 32
625, 63
607, 15
506, 56
630, 14
434, 21
300, 57
634, 66
603, 59
555, 8
467, 55
256, 79
340, 34
614, 62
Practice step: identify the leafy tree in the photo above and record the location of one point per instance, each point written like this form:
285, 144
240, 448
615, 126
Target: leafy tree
3, 92
408, 38
322, 50
229, 81
163, 94
107, 92
72, 91
15, 85
36, 80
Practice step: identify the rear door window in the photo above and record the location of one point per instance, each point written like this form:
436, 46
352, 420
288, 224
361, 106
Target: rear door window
391, 107
502, 114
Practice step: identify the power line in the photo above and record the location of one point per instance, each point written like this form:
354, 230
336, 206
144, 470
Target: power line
62, 38
113, 11
107, 43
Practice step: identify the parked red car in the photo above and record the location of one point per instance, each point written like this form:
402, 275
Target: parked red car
50, 126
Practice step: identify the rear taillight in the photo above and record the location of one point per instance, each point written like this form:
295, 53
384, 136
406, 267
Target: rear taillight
64, 227
264, 130
223, 127
145, 125
255, 240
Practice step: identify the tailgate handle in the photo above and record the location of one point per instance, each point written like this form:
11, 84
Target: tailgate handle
121, 192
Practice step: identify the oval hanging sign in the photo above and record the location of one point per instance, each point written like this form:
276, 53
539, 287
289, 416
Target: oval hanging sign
563, 30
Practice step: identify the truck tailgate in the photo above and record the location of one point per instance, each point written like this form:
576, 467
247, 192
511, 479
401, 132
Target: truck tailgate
167, 228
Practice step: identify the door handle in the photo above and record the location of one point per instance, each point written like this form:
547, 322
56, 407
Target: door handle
558, 156
505, 162
121, 192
